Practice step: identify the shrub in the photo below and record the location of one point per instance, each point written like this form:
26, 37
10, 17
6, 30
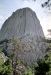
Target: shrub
5, 68
44, 65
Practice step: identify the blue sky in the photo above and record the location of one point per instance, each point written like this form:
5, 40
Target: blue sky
7, 7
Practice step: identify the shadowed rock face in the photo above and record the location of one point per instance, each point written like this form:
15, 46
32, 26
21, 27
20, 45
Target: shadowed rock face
24, 23
21, 22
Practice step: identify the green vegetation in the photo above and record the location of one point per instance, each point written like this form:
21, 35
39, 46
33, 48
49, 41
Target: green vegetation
48, 61
1, 49
1, 59
5, 68
43, 67
14, 66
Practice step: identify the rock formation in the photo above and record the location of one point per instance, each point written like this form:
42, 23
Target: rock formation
24, 23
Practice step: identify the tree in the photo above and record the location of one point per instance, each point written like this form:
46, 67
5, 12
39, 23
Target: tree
44, 65
5, 68
16, 47
42, 68
47, 3
48, 61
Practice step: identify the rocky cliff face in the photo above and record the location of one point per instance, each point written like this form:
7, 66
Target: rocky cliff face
24, 23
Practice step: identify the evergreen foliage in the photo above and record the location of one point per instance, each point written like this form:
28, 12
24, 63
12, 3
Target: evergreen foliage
44, 65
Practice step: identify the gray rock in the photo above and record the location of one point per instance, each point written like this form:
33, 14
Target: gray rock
21, 22
24, 23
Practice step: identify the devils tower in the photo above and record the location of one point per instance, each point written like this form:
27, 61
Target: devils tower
21, 22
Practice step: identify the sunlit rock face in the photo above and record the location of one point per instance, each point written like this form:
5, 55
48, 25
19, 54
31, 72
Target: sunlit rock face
21, 22
25, 24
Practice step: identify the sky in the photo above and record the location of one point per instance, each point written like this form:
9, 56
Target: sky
7, 7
